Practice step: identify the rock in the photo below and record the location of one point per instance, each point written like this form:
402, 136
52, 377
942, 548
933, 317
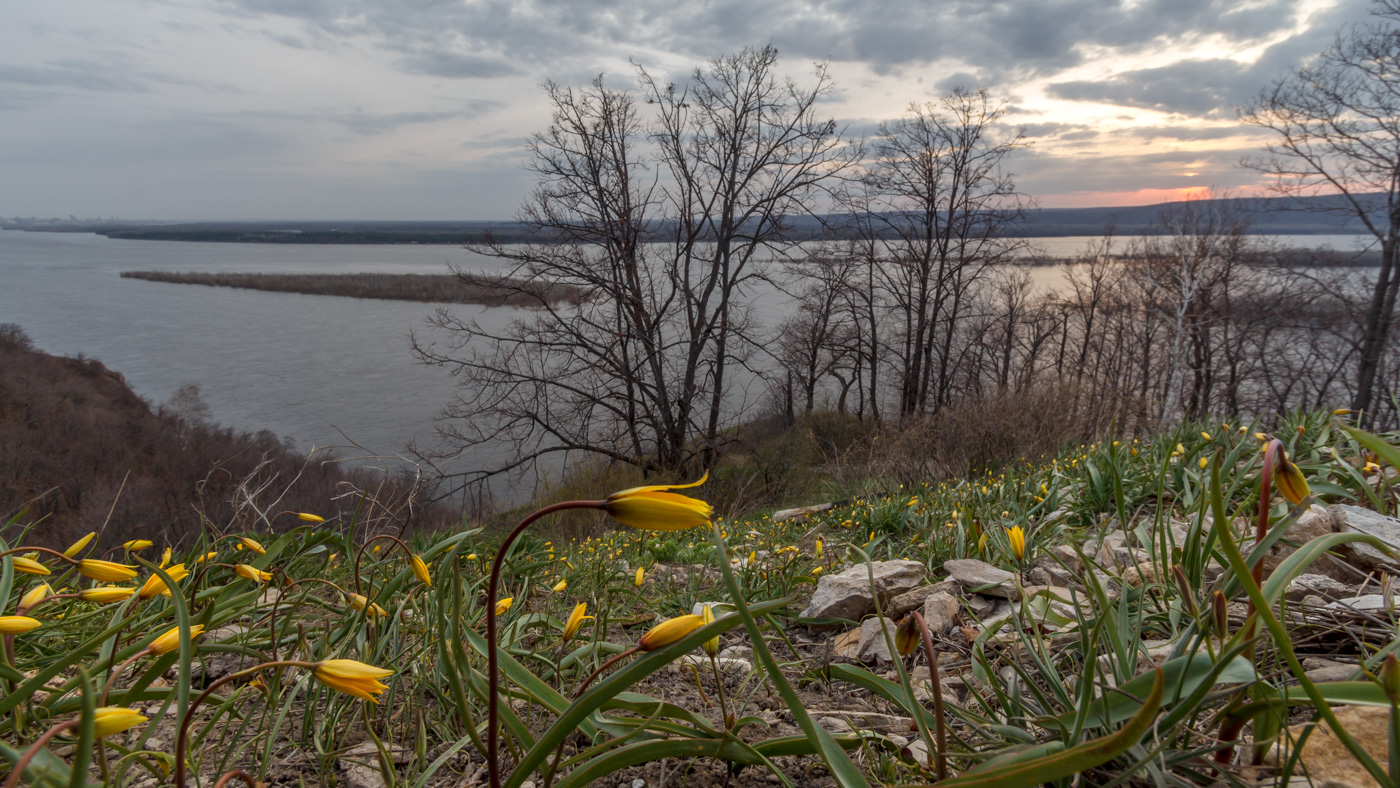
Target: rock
717, 609
1068, 557
361, 765
847, 594
912, 600
917, 751
1355, 520
1334, 672
1144, 573
702, 663
982, 578
269, 597
1370, 603
1328, 762
847, 645
736, 652
940, 612
800, 512
981, 605
844, 721
1040, 576
872, 646
1303, 585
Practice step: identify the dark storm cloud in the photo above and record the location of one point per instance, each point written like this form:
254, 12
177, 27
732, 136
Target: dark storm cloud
997, 40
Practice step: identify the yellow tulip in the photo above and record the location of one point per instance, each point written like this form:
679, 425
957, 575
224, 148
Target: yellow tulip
1205, 435
18, 625
115, 719
137, 544
707, 617
36, 595
1342, 412
252, 573
656, 508
154, 585
420, 570
206, 556
165, 558
104, 594
502, 605
170, 639
352, 678
576, 620
77, 547
1205, 461
560, 586
471, 556
669, 631
253, 544
639, 578
819, 549
105, 571
817, 571
363, 605
28, 566
1290, 481
310, 518
1017, 537
906, 636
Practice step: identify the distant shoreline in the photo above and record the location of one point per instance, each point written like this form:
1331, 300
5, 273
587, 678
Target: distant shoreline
430, 288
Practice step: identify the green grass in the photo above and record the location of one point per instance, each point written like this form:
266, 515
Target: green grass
1042, 705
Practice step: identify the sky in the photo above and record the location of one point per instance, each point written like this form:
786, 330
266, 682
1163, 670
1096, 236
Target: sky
419, 109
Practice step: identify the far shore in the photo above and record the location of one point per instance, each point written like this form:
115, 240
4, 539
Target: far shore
433, 288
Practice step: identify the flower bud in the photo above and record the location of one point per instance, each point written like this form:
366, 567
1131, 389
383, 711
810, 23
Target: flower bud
670, 631
907, 636
707, 617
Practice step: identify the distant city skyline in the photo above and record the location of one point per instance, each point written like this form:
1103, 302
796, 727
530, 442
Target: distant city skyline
374, 109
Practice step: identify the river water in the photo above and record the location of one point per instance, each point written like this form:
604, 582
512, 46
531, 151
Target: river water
322, 371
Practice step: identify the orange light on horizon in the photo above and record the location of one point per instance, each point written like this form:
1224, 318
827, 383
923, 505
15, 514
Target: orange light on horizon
1105, 199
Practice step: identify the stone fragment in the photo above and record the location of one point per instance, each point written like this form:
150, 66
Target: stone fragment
847, 645
1303, 585
361, 764
800, 512
1355, 520
982, 578
1068, 557
940, 612
1328, 762
736, 652
1370, 603
912, 600
873, 647
847, 594
702, 662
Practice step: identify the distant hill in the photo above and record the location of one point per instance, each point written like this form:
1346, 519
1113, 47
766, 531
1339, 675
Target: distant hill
1271, 216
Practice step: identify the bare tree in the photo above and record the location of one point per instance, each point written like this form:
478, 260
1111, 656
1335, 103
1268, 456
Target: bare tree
1336, 126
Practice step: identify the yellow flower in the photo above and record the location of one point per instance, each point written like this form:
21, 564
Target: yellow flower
707, 617
252, 573
206, 556
28, 566
170, 640
253, 544
655, 508
420, 570
352, 678
310, 518
1205, 435
165, 558
576, 620
105, 594
819, 549
1342, 412
982, 543
639, 578
77, 547
1290, 481
1017, 537
365, 606
137, 544
115, 719
560, 586
1204, 462
105, 571
36, 595
502, 605
18, 625
816, 571
669, 631
154, 585
471, 556
1261, 436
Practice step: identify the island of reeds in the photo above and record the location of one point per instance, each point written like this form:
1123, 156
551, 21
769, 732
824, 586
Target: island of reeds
433, 288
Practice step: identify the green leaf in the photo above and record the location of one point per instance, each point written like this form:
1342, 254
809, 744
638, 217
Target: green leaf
1182, 675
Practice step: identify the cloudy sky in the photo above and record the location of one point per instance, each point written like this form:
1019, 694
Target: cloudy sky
417, 109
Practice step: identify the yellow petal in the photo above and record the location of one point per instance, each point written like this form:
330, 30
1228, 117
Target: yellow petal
670, 631
658, 487
115, 719
420, 570
105, 571
28, 566
18, 625
77, 547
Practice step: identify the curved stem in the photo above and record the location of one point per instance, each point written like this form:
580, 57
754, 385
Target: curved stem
237, 774
180, 739
940, 729
629, 652
112, 677
54, 553
492, 677
23, 762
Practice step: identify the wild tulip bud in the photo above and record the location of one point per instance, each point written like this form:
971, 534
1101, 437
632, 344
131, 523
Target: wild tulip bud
110, 720
170, 639
656, 508
1183, 587
420, 570
251, 572
105, 571
907, 636
137, 544
1390, 679
105, 594
1017, 538
35, 595
165, 558
154, 585
640, 578
707, 617
669, 631
310, 518
28, 566
819, 549
18, 625
360, 603
77, 547
576, 620
560, 586
1290, 480
352, 678
1220, 615
502, 605
253, 544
